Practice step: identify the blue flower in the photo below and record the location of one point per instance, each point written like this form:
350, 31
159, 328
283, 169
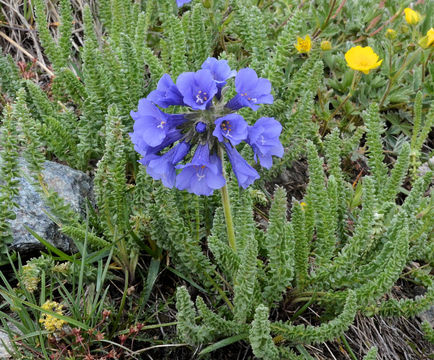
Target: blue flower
244, 173
220, 71
232, 127
163, 167
202, 175
149, 152
167, 93
264, 140
251, 91
182, 2
151, 124
164, 140
197, 88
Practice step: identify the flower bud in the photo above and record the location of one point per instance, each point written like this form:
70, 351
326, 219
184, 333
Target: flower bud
391, 34
207, 4
427, 40
412, 17
326, 45
405, 29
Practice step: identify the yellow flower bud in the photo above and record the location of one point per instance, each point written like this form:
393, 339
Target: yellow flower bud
412, 17
303, 45
326, 45
391, 34
428, 39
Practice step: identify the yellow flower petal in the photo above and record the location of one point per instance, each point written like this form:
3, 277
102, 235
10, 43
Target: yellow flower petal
303, 45
362, 59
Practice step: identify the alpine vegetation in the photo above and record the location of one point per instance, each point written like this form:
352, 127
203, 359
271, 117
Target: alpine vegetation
209, 128
260, 178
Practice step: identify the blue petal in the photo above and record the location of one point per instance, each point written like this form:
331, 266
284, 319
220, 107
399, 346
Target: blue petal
246, 80
244, 173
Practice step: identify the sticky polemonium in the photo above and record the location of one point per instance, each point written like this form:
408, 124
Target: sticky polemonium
197, 88
231, 127
202, 175
263, 137
166, 94
251, 91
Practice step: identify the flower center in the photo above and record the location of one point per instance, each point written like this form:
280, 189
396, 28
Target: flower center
161, 126
304, 45
262, 140
200, 172
201, 97
253, 100
364, 62
226, 128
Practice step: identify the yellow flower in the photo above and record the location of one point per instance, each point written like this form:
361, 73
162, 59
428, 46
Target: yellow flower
412, 17
390, 34
362, 59
50, 322
303, 45
326, 45
428, 39
303, 205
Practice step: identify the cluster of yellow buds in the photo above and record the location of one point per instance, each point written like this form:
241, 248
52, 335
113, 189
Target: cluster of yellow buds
50, 322
30, 277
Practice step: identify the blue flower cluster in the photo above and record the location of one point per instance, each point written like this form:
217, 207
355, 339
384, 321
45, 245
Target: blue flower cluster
165, 140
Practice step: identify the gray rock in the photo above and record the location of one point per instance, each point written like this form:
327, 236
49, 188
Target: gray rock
428, 315
5, 343
72, 185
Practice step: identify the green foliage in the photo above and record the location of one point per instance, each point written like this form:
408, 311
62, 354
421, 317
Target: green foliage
10, 80
374, 129
280, 245
200, 42
187, 329
260, 339
346, 243
9, 153
428, 331
371, 354
316, 334
57, 53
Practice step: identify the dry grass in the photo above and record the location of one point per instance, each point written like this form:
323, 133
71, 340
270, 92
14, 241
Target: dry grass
18, 34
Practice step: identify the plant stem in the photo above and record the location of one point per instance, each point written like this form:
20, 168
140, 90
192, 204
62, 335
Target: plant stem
227, 206
347, 346
356, 78
396, 76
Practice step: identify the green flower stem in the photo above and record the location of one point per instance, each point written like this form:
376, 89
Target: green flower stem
227, 206
397, 75
356, 78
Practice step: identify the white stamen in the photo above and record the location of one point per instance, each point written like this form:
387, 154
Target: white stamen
262, 140
200, 177
199, 99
